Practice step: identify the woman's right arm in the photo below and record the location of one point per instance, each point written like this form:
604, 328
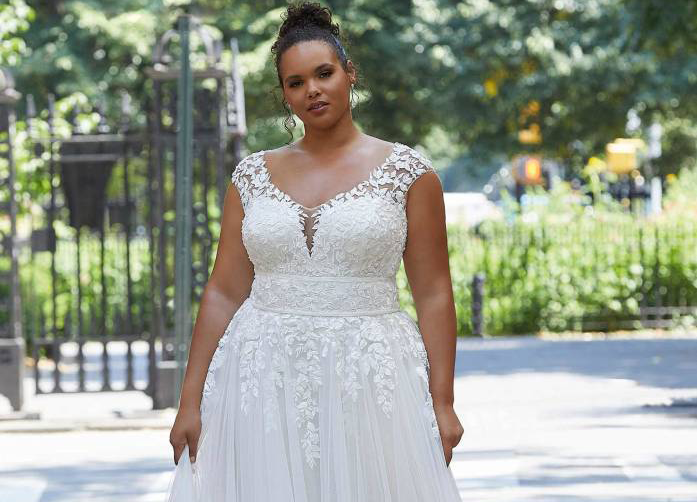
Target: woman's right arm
227, 288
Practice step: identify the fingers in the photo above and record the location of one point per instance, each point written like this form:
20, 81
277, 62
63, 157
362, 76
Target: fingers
455, 440
192, 440
446, 448
460, 433
178, 445
178, 449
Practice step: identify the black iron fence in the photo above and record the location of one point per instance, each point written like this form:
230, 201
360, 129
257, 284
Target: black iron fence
594, 275
96, 226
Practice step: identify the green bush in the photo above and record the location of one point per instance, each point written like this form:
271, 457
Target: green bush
569, 267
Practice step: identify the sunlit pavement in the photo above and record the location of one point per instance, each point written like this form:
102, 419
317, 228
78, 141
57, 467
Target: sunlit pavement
545, 421
98, 466
567, 421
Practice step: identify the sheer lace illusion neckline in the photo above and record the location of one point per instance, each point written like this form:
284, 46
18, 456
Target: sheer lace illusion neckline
355, 188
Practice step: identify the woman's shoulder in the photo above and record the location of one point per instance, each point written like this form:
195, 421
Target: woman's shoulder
407, 165
413, 159
247, 173
248, 164
416, 158
405, 155
255, 156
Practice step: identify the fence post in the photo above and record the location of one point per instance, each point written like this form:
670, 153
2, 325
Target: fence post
183, 181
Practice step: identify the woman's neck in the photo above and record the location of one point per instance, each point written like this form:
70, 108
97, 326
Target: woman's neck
343, 134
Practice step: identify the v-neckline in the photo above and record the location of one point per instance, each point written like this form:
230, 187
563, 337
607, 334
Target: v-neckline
357, 186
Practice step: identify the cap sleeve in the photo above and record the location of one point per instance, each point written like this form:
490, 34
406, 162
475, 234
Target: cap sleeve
420, 164
242, 178
412, 166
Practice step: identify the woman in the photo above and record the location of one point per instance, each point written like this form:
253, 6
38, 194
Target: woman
321, 388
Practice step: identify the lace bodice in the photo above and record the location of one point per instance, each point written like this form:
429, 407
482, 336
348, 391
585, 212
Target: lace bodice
360, 232
312, 323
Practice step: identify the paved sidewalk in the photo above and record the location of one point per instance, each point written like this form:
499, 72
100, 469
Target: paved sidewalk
547, 419
72, 411
578, 419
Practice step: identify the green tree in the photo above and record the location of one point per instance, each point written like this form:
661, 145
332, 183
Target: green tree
463, 77
15, 17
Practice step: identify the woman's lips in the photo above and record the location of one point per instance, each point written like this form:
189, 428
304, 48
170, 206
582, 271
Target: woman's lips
320, 108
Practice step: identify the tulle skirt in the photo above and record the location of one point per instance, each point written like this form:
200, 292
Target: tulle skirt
301, 408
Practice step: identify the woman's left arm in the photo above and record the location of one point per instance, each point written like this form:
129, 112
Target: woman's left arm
428, 271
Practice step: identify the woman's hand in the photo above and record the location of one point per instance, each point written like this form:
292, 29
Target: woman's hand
186, 430
450, 429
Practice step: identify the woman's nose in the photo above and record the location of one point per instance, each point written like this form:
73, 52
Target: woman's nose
312, 89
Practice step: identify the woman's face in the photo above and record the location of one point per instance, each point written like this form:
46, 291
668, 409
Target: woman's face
310, 73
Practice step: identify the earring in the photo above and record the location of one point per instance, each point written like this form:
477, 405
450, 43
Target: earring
290, 120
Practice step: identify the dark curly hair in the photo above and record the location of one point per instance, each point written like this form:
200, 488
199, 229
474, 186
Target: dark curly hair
305, 21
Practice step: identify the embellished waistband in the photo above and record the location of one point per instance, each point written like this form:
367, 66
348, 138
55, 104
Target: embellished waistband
324, 295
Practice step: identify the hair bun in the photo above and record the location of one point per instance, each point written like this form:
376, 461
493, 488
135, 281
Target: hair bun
306, 14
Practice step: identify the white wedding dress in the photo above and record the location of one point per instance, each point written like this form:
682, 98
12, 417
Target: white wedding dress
318, 389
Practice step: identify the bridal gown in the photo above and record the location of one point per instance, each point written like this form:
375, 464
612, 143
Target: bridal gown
318, 388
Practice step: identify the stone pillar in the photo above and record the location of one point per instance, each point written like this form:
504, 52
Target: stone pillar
164, 396
12, 371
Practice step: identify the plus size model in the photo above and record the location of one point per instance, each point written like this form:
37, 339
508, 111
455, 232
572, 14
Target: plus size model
306, 381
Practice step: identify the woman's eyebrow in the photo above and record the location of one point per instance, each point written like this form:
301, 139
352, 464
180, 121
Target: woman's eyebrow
319, 67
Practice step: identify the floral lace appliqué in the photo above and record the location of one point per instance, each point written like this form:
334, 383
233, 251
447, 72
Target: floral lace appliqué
325, 280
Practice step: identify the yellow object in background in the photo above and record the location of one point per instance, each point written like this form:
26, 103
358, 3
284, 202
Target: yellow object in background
622, 154
595, 164
531, 135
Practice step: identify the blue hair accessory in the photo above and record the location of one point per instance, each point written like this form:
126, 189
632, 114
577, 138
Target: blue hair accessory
341, 47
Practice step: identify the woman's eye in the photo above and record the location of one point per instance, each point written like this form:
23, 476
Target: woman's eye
328, 73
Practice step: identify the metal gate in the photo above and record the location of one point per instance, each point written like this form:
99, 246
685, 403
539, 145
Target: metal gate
96, 267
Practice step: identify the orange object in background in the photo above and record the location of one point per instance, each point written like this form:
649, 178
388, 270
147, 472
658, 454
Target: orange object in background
527, 169
533, 169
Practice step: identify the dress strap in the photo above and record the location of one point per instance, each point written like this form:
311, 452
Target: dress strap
400, 174
245, 177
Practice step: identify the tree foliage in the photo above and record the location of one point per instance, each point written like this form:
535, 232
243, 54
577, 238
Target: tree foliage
15, 17
467, 73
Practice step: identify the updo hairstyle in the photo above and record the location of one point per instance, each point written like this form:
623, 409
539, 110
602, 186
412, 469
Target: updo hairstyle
306, 21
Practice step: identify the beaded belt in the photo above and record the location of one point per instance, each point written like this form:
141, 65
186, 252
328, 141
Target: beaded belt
324, 295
